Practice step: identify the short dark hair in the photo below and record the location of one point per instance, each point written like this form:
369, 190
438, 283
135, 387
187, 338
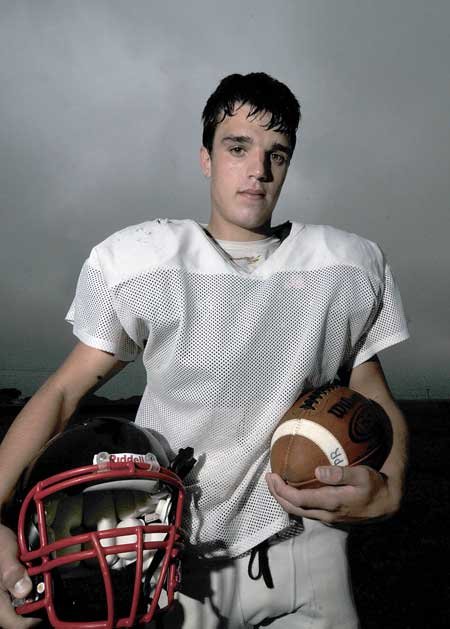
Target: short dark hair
263, 93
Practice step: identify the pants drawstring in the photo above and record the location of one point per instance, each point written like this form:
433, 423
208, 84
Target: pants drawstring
264, 569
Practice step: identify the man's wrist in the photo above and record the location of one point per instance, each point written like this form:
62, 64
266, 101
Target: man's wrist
394, 483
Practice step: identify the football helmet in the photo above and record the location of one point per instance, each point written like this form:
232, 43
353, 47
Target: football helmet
98, 518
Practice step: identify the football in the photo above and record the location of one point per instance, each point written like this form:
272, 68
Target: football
331, 425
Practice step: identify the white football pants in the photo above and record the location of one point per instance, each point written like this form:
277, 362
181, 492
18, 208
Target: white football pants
311, 590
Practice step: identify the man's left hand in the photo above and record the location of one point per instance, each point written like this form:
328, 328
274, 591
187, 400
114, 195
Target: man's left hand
349, 495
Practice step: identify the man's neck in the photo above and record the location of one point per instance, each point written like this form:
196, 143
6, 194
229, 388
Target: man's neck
236, 233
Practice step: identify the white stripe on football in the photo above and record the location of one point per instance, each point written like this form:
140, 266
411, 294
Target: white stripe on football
316, 433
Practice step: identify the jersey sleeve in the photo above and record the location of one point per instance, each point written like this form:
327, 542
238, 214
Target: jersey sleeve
387, 327
94, 317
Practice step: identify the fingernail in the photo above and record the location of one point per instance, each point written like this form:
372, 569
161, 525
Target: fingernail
323, 474
22, 587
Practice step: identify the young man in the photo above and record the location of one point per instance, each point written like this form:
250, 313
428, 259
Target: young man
234, 320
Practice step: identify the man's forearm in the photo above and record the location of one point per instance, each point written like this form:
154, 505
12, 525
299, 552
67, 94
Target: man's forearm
368, 378
396, 464
42, 417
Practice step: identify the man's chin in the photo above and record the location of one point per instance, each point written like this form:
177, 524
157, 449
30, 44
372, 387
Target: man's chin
253, 215
256, 227
257, 223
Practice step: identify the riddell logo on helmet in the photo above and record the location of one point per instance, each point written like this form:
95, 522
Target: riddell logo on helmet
125, 457
120, 457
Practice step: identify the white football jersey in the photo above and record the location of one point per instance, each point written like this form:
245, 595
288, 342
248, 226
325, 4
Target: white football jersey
227, 351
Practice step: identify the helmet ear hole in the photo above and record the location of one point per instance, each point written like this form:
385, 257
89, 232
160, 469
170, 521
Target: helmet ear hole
96, 534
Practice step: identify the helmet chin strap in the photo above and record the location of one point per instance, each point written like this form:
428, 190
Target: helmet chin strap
183, 462
150, 573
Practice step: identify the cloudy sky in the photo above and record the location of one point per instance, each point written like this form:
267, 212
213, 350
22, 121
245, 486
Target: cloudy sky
100, 106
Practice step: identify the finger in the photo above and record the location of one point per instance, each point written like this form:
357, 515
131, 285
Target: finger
276, 484
302, 512
327, 504
13, 575
324, 498
343, 475
336, 516
8, 617
16, 581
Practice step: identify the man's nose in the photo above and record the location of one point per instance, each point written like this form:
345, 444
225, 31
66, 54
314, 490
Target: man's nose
259, 166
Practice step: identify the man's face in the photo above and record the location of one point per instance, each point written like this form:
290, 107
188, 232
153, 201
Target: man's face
247, 168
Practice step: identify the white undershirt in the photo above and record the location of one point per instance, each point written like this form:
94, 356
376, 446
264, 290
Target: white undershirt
249, 254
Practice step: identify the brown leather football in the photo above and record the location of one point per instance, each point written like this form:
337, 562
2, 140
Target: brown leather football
331, 425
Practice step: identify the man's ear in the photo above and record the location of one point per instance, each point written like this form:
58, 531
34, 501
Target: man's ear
205, 161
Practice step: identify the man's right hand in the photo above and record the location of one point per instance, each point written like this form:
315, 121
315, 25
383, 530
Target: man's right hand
14, 581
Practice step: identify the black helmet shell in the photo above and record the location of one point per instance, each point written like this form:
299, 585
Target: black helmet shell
78, 444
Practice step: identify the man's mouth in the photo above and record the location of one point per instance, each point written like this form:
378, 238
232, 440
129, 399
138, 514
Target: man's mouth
253, 194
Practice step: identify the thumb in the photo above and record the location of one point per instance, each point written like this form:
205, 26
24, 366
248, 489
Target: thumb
332, 475
16, 581
13, 575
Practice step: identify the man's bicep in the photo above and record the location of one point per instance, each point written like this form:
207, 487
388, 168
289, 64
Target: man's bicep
368, 379
85, 369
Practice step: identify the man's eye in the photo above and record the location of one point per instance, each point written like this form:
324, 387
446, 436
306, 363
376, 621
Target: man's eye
237, 150
279, 159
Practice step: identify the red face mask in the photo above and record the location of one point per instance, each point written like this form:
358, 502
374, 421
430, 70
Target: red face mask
101, 541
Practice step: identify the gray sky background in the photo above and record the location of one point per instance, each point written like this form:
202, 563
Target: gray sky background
100, 106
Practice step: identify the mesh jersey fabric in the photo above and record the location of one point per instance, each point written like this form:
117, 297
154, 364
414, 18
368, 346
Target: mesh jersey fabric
227, 352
